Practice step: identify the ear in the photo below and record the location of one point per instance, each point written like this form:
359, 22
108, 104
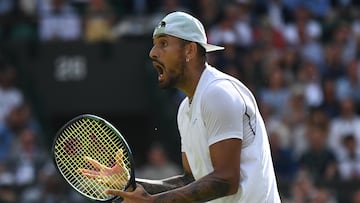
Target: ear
190, 51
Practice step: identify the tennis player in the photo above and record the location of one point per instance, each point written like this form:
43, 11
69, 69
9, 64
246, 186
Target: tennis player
225, 149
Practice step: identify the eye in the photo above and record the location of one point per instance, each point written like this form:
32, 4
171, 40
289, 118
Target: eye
163, 43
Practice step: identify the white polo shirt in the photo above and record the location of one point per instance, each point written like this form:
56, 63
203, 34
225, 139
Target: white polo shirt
223, 108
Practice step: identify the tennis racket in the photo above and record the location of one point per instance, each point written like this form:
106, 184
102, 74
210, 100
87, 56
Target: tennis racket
92, 156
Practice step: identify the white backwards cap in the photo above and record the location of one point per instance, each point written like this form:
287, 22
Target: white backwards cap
185, 26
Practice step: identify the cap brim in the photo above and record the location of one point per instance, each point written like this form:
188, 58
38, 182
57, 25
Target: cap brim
211, 47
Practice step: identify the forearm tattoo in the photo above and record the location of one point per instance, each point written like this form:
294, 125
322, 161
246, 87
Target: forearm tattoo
205, 189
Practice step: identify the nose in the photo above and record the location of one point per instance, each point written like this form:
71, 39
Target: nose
153, 53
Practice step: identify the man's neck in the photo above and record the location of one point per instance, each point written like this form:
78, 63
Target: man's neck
192, 82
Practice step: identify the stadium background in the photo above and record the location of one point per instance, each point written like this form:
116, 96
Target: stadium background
62, 58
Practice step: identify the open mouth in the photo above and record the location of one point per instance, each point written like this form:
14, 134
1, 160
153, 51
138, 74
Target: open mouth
159, 69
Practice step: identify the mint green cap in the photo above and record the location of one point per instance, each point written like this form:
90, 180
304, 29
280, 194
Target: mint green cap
184, 26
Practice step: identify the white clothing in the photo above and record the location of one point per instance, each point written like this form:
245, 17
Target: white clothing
9, 99
349, 167
340, 127
52, 24
223, 108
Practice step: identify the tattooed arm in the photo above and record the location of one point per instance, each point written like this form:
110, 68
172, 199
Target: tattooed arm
223, 181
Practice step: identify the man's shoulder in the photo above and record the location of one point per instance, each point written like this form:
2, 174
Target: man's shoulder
214, 76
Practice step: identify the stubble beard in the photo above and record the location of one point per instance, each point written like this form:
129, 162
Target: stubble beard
174, 77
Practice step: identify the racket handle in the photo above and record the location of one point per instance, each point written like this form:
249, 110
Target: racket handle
131, 188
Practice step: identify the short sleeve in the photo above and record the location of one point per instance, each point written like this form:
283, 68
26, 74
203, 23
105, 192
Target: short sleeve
222, 109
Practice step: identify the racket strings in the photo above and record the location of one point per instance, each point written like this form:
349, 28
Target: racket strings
90, 138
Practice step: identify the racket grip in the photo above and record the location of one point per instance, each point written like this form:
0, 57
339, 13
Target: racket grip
130, 189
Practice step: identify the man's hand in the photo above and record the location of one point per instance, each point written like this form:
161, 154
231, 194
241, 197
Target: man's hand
115, 177
139, 195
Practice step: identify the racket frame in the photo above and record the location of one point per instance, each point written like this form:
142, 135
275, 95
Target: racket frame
131, 183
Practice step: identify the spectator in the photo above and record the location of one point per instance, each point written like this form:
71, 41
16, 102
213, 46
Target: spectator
318, 8
302, 188
158, 165
222, 30
235, 19
19, 118
315, 116
309, 76
290, 63
54, 16
23, 21
27, 158
349, 160
348, 122
208, 11
333, 66
349, 84
6, 141
296, 110
323, 195
254, 69
276, 94
10, 95
303, 29
343, 37
283, 158
268, 36
274, 10
98, 22
330, 103
243, 23
318, 160
8, 193
168, 6
229, 61
50, 188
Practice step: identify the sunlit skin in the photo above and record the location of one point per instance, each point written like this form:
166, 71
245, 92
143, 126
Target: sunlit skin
176, 64
106, 175
179, 65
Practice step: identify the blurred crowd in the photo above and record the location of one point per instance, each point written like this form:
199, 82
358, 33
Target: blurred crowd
301, 58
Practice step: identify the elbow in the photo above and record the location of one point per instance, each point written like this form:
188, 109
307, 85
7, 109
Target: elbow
233, 179
233, 185
230, 182
227, 180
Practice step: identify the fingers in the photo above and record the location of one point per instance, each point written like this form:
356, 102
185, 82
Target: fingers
120, 193
88, 173
138, 194
95, 163
119, 158
92, 173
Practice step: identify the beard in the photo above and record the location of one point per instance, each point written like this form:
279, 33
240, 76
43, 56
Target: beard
173, 76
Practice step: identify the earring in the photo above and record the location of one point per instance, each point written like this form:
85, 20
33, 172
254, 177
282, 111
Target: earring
187, 59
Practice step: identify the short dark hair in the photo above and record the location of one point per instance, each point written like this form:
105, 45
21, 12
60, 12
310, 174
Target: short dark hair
202, 50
